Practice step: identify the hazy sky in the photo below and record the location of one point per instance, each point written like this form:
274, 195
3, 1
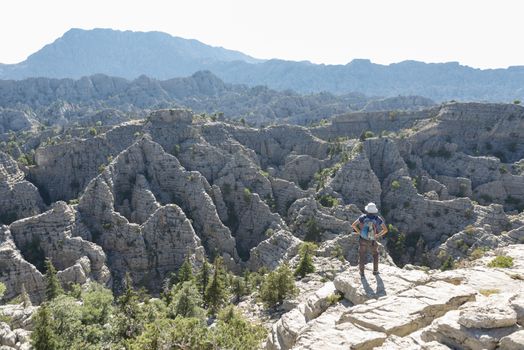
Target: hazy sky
478, 33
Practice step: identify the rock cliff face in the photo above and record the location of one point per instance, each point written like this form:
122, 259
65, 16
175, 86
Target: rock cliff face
235, 184
18, 197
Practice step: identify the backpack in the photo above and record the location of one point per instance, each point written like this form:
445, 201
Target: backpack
369, 229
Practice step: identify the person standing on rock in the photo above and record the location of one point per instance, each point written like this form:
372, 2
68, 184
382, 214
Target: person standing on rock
369, 227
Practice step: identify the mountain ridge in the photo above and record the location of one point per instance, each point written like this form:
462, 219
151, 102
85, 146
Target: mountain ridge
159, 55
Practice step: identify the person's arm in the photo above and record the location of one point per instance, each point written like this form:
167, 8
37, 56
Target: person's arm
356, 226
384, 230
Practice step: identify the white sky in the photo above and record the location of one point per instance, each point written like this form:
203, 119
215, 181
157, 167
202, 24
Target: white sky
478, 33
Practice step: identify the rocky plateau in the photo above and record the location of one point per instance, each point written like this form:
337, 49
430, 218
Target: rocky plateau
150, 190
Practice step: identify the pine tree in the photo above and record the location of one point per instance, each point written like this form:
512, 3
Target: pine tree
277, 286
187, 301
203, 278
216, 290
53, 287
129, 322
185, 272
43, 336
239, 288
305, 265
26, 301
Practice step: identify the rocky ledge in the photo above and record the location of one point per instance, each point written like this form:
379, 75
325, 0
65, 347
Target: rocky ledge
476, 307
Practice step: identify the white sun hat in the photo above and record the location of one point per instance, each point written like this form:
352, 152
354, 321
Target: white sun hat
371, 208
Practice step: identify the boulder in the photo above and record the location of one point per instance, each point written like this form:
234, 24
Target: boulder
7, 336
324, 333
285, 331
449, 331
278, 248
514, 341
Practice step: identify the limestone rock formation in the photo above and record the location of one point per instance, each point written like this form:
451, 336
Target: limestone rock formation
15, 270
18, 197
12, 120
179, 185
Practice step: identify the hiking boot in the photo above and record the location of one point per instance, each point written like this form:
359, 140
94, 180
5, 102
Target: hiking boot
375, 272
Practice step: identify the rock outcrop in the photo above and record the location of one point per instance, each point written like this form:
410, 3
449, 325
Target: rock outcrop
18, 197
411, 309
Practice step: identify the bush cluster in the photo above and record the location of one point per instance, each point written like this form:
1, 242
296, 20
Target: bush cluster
93, 318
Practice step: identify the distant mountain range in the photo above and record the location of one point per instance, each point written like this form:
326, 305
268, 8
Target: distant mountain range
94, 97
131, 54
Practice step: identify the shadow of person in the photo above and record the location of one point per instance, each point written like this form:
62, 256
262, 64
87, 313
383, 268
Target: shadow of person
367, 288
381, 289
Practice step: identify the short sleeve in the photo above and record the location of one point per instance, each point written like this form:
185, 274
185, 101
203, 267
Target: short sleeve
380, 221
361, 218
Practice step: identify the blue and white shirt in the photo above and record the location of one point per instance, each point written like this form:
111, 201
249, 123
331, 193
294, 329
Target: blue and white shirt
370, 226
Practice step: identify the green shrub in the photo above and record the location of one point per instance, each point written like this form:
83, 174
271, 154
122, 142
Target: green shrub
269, 232
247, 195
517, 102
186, 301
477, 253
395, 185
448, 264
328, 201
277, 286
366, 135
233, 331
334, 298
502, 261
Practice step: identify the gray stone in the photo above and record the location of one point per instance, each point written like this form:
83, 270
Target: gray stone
514, 341
448, 331
390, 281
410, 310
491, 312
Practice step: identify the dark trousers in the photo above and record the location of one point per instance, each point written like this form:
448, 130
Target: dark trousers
363, 247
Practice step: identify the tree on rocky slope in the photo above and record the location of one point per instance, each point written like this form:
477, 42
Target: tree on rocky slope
305, 266
277, 286
216, 291
202, 278
187, 301
53, 286
43, 336
129, 317
185, 273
